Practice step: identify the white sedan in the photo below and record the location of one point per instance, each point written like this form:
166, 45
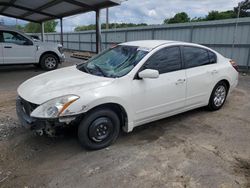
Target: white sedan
126, 86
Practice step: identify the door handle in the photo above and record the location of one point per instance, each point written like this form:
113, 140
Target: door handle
7, 46
180, 81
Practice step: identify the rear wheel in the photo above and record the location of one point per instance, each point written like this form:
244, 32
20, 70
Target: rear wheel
99, 129
49, 62
218, 96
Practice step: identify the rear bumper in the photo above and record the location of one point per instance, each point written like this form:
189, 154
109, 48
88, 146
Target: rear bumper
234, 82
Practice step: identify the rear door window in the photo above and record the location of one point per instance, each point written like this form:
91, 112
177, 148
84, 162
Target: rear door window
165, 60
195, 57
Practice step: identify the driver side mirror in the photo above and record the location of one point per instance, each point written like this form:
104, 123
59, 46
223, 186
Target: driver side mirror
28, 43
149, 73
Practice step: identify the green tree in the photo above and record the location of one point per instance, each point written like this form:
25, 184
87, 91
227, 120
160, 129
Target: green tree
49, 27
20, 27
216, 15
244, 9
32, 28
181, 17
213, 15
111, 26
85, 27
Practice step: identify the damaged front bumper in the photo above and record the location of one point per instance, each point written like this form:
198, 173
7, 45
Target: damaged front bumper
48, 127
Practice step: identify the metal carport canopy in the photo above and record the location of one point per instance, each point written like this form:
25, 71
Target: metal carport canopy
43, 10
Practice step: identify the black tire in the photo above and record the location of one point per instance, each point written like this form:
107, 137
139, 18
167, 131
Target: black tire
49, 62
99, 129
215, 102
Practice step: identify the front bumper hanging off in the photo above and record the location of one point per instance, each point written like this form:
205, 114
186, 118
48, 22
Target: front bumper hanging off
48, 127
23, 110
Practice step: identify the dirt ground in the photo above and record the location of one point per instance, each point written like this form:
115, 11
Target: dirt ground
194, 149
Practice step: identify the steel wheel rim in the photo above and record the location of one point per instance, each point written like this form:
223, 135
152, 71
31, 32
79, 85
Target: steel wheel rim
101, 129
50, 62
220, 96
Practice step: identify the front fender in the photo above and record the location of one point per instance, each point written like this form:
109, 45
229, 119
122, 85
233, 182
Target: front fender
82, 106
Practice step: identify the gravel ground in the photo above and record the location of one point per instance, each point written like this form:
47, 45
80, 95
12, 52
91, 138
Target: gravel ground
194, 149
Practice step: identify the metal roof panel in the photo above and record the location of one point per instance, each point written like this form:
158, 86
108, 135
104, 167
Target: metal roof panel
37, 17
43, 10
14, 11
32, 4
61, 8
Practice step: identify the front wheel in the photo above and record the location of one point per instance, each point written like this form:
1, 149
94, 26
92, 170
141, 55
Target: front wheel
99, 129
218, 96
49, 62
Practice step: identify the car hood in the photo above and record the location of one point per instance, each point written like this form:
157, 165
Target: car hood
58, 83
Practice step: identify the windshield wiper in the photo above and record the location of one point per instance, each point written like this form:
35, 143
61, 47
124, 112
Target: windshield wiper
83, 67
100, 70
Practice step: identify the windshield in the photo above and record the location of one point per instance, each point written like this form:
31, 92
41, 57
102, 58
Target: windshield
115, 62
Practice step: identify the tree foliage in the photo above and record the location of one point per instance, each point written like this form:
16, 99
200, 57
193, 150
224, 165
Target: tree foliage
181, 17
20, 27
216, 15
244, 8
111, 26
49, 26
213, 15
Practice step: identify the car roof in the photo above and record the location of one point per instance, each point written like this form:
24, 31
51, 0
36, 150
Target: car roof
148, 43
151, 44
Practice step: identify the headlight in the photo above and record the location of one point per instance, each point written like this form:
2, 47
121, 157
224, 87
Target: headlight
54, 108
60, 49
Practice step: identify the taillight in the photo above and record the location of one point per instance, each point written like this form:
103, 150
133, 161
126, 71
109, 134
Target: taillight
234, 64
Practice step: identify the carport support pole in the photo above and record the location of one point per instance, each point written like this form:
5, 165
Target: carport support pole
42, 31
61, 34
98, 32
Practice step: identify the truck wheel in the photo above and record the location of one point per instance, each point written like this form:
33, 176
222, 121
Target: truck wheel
218, 96
49, 62
99, 129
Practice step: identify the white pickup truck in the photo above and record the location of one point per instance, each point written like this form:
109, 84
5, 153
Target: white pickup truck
18, 48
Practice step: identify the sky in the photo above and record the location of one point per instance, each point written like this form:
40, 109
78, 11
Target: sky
145, 11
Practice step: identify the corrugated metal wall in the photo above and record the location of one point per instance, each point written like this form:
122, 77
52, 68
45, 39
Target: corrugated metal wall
218, 35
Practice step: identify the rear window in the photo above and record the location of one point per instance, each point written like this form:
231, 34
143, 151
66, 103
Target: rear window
195, 57
212, 57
